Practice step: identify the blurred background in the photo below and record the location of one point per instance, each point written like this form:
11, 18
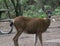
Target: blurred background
30, 8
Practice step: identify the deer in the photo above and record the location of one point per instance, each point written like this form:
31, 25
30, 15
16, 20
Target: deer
31, 26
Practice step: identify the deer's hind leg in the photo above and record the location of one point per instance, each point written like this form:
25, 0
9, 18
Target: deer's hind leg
15, 39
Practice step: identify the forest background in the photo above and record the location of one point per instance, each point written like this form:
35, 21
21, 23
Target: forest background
30, 8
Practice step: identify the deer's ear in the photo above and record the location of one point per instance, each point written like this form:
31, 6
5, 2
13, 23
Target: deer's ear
53, 20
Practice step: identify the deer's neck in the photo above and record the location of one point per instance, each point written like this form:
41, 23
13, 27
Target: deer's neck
47, 20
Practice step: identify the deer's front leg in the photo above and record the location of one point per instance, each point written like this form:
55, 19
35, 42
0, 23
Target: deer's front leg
40, 38
15, 39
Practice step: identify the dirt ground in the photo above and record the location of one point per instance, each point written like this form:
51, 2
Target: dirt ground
50, 38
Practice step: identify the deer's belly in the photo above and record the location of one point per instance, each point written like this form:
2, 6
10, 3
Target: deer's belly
31, 31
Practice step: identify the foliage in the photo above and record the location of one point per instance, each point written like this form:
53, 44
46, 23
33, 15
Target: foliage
57, 11
33, 10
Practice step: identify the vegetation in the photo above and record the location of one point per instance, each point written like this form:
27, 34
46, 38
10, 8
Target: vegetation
30, 8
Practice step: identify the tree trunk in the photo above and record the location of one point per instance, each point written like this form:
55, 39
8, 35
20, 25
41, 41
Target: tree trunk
17, 8
7, 7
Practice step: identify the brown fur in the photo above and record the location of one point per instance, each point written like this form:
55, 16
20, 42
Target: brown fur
30, 26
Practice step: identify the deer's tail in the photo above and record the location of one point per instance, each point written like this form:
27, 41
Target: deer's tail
11, 25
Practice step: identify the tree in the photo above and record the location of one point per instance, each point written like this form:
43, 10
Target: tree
7, 7
17, 7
